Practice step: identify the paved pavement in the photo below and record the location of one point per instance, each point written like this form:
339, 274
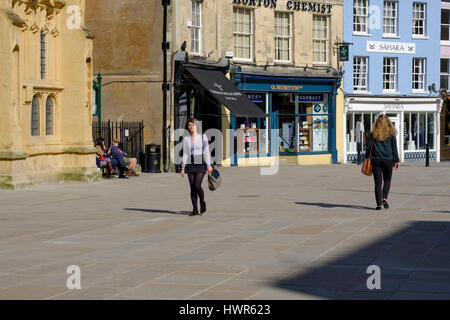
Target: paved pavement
309, 232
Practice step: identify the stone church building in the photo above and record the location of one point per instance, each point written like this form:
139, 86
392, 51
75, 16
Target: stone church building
45, 93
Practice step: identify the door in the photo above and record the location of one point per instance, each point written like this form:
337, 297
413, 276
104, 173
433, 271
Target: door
395, 119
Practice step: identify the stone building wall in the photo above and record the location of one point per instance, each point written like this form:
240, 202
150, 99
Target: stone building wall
127, 52
60, 149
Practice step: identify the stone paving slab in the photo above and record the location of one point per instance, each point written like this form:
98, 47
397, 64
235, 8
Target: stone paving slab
308, 232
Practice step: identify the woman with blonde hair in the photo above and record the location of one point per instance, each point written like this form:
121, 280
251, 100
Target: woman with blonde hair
196, 161
384, 156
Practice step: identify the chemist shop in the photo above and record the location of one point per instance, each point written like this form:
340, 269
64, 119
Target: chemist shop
300, 117
416, 121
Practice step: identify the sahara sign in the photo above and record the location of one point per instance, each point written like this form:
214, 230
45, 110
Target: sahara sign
391, 47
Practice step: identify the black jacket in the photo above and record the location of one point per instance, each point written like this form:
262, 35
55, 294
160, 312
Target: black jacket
386, 149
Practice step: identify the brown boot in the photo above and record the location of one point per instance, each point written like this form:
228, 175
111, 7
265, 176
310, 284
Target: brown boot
133, 173
109, 170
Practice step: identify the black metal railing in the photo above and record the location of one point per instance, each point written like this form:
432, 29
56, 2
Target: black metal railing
130, 135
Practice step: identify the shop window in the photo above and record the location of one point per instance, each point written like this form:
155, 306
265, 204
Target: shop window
252, 133
430, 130
422, 131
359, 127
303, 124
418, 130
35, 117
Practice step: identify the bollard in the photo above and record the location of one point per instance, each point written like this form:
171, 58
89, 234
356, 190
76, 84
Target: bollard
427, 155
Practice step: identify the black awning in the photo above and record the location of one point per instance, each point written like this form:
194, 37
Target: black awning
226, 93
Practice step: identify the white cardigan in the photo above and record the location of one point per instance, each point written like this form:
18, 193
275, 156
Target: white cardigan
196, 149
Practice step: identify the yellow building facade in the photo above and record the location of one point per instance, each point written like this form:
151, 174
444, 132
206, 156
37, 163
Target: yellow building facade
45, 93
279, 51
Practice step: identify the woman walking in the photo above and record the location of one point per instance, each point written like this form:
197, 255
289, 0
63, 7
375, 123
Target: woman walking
384, 157
196, 147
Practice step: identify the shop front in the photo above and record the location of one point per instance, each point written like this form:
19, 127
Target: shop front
417, 121
299, 126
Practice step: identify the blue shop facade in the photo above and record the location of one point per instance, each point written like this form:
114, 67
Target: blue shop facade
300, 117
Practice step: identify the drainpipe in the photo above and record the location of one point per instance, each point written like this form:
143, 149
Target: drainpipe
165, 85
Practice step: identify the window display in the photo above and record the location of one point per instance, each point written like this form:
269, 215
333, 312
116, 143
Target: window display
251, 132
359, 126
418, 130
303, 122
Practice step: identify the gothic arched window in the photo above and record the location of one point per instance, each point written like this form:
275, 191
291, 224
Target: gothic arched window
49, 117
35, 117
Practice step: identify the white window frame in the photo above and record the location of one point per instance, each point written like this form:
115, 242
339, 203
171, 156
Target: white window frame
196, 29
445, 73
357, 77
393, 63
424, 19
390, 15
446, 25
236, 58
283, 37
421, 64
362, 5
327, 40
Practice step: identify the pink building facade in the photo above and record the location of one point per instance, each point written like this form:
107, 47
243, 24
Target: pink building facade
445, 78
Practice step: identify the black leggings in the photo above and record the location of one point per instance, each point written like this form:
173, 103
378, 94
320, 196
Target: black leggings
195, 181
382, 170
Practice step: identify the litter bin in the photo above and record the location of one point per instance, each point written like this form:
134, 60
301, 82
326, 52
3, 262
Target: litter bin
153, 158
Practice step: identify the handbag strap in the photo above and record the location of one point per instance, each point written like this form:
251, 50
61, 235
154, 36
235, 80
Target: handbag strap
371, 146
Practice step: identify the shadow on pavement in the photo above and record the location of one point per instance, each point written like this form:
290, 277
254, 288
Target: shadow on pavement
184, 213
402, 193
331, 205
414, 263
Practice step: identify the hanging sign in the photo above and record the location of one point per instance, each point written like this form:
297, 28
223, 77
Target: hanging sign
343, 53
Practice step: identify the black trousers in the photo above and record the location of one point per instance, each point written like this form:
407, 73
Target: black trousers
382, 172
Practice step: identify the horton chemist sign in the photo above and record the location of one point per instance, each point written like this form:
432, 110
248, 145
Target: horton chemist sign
290, 5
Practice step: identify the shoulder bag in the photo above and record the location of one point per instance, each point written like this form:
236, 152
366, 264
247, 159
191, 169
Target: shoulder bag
367, 165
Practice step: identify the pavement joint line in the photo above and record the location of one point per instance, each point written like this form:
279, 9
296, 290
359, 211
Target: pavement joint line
139, 285
217, 284
52, 202
70, 291
339, 243
434, 245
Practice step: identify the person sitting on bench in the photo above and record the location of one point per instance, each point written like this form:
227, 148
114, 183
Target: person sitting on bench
117, 159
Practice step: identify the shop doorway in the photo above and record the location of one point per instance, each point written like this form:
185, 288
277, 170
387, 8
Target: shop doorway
395, 119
